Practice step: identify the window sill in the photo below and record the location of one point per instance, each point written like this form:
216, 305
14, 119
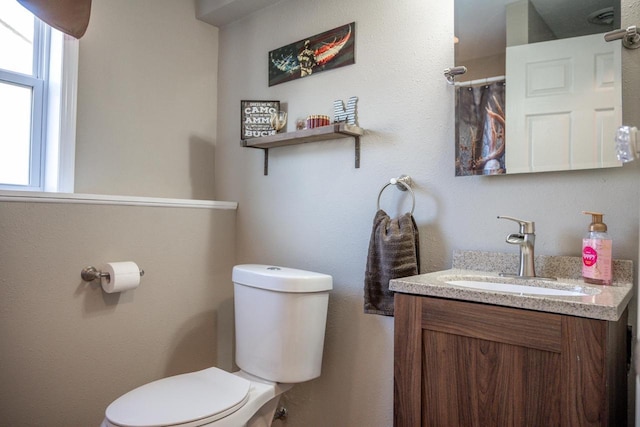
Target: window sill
95, 199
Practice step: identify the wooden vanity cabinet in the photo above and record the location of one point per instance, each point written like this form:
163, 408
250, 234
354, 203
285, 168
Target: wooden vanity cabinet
459, 363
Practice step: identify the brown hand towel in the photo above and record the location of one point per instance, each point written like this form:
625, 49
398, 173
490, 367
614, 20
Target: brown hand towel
393, 253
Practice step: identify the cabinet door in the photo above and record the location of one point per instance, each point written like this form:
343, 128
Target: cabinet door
485, 366
469, 364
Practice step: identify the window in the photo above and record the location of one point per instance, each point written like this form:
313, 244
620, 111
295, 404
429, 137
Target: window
38, 74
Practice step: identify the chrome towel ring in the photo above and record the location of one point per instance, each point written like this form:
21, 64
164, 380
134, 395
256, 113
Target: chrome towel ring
403, 182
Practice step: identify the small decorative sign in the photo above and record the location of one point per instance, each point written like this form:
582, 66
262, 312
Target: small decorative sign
348, 115
324, 51
256, 118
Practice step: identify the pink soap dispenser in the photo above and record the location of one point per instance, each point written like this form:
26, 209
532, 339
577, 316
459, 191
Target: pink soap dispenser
596, 252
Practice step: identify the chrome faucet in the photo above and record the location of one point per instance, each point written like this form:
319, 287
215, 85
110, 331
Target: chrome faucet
526, 239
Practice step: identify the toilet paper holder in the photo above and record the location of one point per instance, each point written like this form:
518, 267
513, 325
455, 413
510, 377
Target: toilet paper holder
90, 273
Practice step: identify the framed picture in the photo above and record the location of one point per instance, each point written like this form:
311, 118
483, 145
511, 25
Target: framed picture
255, 118
311, 55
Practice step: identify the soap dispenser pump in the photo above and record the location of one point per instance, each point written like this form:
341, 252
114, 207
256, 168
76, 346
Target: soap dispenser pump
596, 252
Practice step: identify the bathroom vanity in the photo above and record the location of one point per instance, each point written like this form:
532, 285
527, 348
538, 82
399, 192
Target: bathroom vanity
470, 356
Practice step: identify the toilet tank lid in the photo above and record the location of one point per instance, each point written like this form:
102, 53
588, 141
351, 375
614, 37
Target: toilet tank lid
281, 279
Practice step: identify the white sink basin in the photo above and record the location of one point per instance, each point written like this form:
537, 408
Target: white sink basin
555, 289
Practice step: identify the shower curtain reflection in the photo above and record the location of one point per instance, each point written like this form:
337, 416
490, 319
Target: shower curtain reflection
480, 124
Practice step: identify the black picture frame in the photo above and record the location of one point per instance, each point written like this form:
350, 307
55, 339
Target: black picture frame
255, 118
325, 51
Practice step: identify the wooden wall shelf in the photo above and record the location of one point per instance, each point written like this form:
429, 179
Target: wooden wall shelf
324, 133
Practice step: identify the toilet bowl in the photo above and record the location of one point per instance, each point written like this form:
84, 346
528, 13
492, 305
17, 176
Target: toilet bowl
280, 317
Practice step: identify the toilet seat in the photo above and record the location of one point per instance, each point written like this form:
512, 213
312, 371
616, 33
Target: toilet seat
186, 400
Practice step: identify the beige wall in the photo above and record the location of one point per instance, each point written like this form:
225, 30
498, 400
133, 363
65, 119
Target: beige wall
68, 349
146, 126
147, 101
314, 210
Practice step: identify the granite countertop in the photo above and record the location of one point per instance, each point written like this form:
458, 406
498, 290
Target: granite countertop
607, 304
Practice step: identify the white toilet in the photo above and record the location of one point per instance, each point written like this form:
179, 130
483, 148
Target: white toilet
280, 316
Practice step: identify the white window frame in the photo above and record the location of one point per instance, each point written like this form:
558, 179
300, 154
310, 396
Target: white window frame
53, 129
62, 93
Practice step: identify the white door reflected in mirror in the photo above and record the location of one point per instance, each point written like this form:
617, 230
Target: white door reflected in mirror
563, 104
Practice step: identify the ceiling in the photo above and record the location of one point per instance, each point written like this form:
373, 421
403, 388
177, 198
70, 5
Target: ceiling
222, 12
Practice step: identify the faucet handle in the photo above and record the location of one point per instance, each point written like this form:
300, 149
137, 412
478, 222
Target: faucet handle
528, 227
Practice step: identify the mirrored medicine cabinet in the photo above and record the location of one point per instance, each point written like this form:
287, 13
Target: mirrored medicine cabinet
542, 91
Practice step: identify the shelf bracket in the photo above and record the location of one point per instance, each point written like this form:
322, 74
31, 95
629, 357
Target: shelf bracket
323, 133
357, 155
266, 161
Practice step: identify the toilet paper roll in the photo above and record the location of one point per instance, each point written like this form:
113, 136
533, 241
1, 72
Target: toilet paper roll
122, 276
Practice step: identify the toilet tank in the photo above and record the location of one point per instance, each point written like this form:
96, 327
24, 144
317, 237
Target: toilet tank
280, 318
